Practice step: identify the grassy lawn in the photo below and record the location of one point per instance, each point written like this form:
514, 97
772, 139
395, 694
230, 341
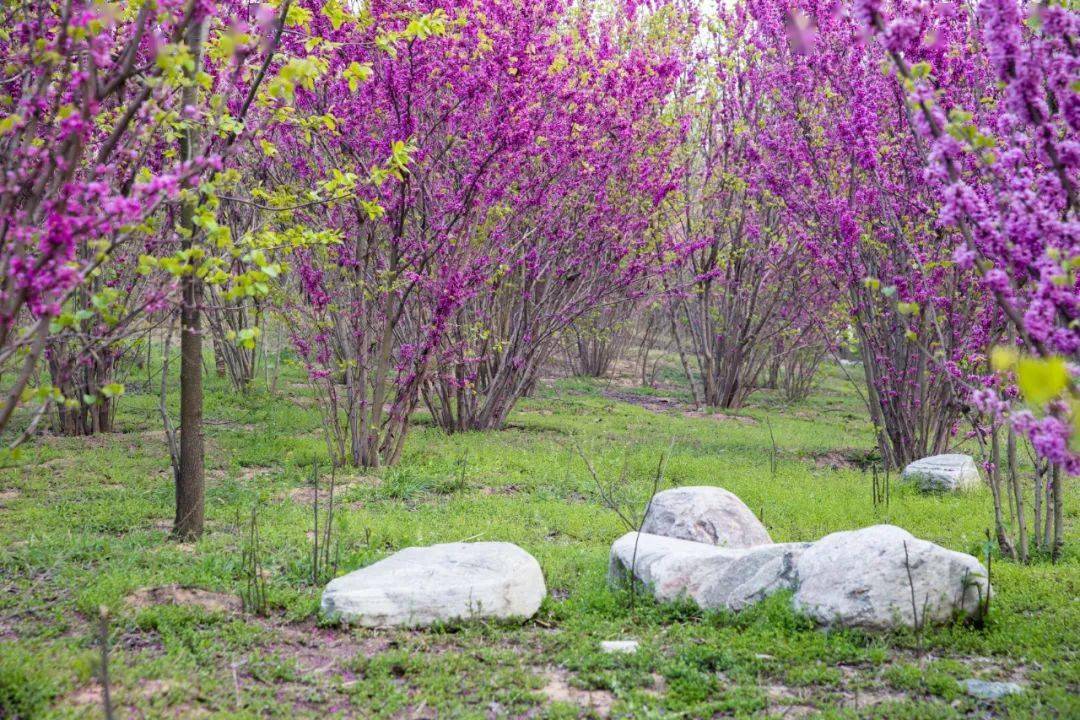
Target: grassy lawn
84, 524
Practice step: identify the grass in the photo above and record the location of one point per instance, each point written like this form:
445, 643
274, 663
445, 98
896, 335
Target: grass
84, 524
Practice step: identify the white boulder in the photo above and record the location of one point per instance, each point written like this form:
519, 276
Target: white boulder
419, 586
943, 473
713, 577
846, 579
704, 514
860, 578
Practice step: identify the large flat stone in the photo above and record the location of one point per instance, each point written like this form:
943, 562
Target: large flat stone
421, 586
705, 514
847, 579
943, 473
860, 578
713, 577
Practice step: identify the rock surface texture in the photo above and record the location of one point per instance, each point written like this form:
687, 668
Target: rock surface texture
988, 690
943, 473
864, 578
713, 577
420, 586
848, 579
619, 646
706, 515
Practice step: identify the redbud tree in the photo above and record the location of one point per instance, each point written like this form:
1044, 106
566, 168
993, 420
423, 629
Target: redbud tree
487, 184
1007, 165
98, 103
834, 151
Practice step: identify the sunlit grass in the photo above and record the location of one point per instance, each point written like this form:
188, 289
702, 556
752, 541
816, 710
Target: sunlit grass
85, 523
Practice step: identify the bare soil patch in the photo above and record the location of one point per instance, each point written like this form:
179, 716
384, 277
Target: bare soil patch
721, 417
248, 474
321, 651
89, 695
510, 489
652, 403
189, 597
557, 688
844, 459
305, 495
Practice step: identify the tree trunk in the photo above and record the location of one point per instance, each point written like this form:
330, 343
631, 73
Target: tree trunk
1048, 508
1059, 513
219, 355
995, 486
1018, 495
1038, 504
190, 479
682, 358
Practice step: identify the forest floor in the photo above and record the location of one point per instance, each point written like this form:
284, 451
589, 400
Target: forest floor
84, 524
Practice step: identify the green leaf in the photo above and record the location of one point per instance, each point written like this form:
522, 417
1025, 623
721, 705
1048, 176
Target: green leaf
112, 390
8, 124
920, 70
908, 308
1041, 380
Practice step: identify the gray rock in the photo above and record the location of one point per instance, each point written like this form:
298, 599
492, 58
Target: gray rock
668, 566
619, 646
713, 577
860, 579
847, 579
943, 473
704, 514
987, 690
420, 586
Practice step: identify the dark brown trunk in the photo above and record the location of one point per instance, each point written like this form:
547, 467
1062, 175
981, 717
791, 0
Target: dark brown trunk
190, 479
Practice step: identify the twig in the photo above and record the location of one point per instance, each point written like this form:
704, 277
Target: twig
103, 640
914, 605
329, 520
315, 512
657, 480
772, 457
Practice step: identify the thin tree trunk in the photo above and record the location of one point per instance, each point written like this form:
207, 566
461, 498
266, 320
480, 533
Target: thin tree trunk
1018, 495
219, 355
190, 481
1059, 513
1048, 509
1038, 504
682, 359
995, 485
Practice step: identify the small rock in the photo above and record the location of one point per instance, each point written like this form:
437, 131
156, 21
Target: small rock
860, 578
943, 473
987, 690
704, 514
619, 646
420, 586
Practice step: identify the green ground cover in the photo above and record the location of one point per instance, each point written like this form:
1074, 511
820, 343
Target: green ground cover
84, 524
